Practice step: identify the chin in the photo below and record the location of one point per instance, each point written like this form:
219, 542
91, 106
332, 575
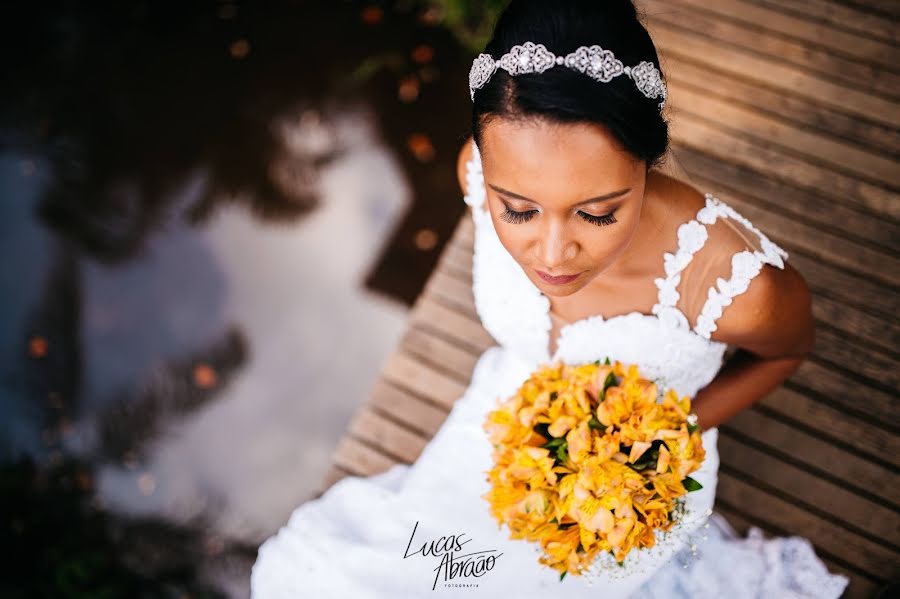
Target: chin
558, 290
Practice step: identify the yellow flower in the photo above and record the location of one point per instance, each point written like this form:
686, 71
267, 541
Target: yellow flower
566, 471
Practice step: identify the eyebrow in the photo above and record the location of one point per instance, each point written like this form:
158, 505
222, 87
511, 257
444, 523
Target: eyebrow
607, 196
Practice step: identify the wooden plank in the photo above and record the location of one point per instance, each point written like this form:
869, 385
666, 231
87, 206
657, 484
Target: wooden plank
878, 408
796, 110
696, 132
839, 16
415, 412
426, 344
825, 459
860, 587
387, 435
863, 361
452, 292
812, 33
844, 286
424, 380
772, 73
748, 122
860, 514
847, 220
428, 314
834, 541
887, 8
817, 418
459, 262
360, 459
757, 39
874, 330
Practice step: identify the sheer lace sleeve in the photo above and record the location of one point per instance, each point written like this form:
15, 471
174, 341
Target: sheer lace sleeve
745, 264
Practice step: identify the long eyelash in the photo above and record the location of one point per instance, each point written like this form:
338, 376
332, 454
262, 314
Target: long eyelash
511, 216
606, 219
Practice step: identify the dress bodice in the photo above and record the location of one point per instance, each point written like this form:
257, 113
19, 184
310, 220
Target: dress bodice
663, 344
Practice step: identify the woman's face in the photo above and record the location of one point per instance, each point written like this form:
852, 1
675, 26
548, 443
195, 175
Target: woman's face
565, 199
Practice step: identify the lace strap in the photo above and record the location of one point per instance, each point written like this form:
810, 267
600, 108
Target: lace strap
691, 237
475, 192
745, 265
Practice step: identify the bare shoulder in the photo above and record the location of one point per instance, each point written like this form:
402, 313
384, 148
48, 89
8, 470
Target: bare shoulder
773, 317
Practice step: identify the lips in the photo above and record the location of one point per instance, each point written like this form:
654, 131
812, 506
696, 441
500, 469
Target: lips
557, 280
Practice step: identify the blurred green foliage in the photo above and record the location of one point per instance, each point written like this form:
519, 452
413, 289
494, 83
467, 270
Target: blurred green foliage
470, 21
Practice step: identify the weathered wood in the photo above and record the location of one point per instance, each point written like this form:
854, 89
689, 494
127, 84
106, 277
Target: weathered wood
415, 412
833, 387
862, 515
697, 18
817, 455
805, 413
387, 434
769, 71
697, 132
839, 218
862, 24
429, 314
423, 379
360, 459
878, 561
423, 343
860, 587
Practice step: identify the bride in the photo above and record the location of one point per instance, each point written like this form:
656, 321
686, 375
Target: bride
583, 250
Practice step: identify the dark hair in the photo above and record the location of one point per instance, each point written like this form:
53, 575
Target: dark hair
564, 95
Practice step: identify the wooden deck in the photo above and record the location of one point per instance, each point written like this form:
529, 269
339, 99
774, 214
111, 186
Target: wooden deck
789, 111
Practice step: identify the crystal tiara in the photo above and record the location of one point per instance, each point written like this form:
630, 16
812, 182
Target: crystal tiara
593, 61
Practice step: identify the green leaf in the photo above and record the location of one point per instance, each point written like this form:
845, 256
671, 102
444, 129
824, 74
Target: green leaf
690, 484
563, 575
692, 427
607, 361
609, 382
594, 423
562, 452
554, 443
596, 362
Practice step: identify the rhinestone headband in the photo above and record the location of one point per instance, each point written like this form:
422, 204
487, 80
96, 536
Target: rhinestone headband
593, 61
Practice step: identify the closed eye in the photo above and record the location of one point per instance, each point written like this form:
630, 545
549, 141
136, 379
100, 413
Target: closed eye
515, 217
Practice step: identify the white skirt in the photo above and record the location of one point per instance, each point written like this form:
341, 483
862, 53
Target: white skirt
424, 530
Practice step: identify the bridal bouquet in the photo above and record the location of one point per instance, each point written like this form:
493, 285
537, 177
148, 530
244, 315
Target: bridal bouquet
591, 458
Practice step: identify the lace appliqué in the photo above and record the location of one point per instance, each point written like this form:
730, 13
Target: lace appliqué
745, 265
691, 237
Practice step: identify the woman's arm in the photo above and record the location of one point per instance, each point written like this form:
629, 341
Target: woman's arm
772, 326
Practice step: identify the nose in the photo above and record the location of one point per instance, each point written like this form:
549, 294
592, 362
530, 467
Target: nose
556, 249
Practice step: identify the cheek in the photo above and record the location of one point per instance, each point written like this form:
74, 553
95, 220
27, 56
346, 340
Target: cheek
607, 243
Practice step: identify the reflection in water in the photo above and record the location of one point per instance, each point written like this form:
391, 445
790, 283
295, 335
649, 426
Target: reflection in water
209, 375
247, 459
186, 227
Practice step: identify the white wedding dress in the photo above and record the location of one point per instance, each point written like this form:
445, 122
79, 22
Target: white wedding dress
363, 537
